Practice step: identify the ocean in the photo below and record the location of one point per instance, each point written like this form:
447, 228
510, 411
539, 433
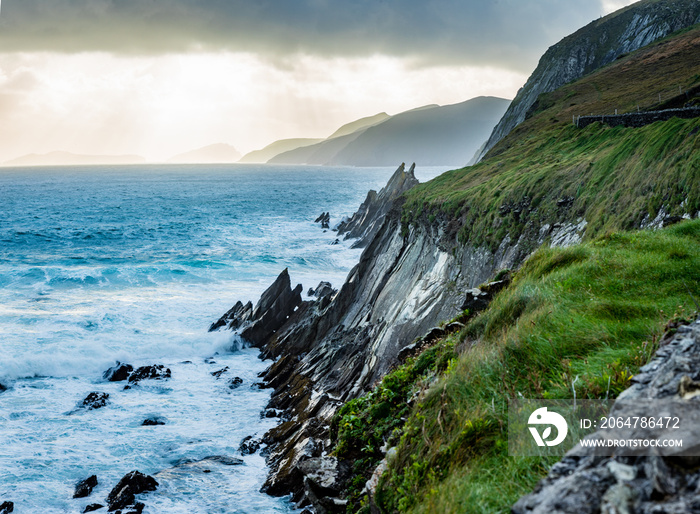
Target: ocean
100, 264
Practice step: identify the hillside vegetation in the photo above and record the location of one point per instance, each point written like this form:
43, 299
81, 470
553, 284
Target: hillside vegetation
588, 315
612, 177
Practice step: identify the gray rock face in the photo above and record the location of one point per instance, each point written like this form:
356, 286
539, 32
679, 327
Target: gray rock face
593, 46
365, 223
641, 484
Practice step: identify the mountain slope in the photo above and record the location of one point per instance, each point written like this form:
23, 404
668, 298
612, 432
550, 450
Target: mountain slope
446, 135
212, 154
356, 125
283, 145
430, 135
593, 46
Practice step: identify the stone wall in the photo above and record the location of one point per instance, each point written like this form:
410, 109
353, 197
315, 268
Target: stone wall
638, 119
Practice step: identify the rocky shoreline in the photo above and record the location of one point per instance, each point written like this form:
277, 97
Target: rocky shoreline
335, 346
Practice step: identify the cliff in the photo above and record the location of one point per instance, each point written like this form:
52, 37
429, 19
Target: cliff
597, 44
552, 185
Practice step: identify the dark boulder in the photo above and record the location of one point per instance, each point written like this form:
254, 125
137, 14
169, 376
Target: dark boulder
94, 401
218, 374
152, 421
136, 509
7, 507
154, 372
249, 445
93, 507
131, 484
235, 382
85, 487
3, 388
118, 373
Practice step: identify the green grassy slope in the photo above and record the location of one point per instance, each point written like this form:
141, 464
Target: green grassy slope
593, 311
615, 176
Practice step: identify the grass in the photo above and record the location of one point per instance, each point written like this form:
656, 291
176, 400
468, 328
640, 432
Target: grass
594, 311
613, 177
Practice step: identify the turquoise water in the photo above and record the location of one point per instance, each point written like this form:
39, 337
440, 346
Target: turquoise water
133, 263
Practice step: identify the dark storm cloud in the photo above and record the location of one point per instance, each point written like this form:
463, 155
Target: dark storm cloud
509, 33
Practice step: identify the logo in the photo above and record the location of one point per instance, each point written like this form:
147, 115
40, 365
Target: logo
542, 417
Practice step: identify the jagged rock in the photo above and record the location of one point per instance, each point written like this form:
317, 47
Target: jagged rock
325, 479
3, 388
94, 400
93, 507
324, 219
218, 374
235, 317
324, 289
118, 373
582, 482
335, 242
249, 445
154, 372
365, 223
7, 507
235, 382
275, 306
152, 421
85, 487
131, 484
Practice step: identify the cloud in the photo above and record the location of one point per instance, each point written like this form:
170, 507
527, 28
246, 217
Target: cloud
509, 33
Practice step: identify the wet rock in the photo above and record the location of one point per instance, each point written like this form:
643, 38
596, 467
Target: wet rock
93, 507
153, 421
218, 374
94, 401
3, 388
136, 509
85, 487
249, 445
234, 317
7, 507
324, 219
335, 242
235, 383
223, 459
118, 373
154, 372
131, 484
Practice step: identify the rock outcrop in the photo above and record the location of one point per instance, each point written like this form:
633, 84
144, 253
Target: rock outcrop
131, 484
586, 483
85, 487
593, 46
365, 223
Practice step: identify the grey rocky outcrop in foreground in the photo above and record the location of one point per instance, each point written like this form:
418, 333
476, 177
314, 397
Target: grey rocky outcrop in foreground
582, 484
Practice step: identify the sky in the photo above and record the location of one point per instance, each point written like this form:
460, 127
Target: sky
161, 77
